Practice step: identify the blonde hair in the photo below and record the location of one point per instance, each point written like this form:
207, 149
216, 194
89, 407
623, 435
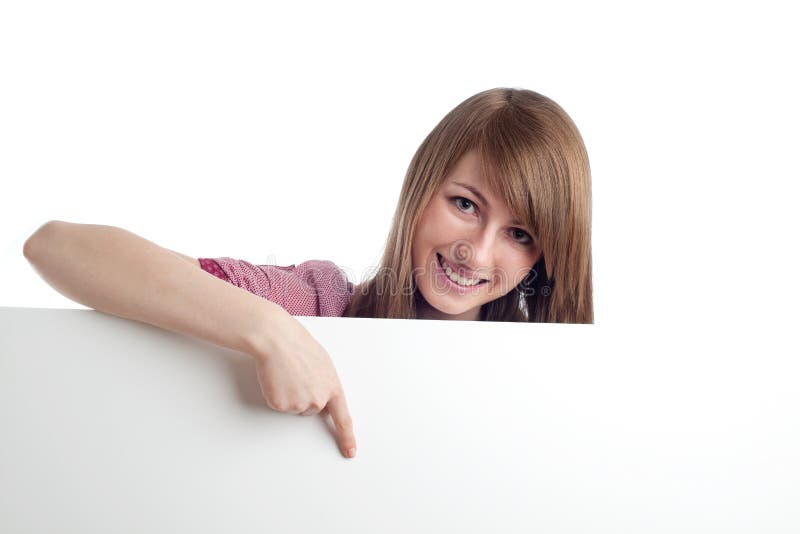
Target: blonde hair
534, 159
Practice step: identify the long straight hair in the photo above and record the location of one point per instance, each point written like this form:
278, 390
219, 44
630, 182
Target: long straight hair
534, 159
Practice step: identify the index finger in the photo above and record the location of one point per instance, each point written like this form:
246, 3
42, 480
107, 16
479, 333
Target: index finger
337, 408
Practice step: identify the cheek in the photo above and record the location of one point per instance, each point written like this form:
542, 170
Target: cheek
440, 224
421, 243
415, 253
426, 233
518, 270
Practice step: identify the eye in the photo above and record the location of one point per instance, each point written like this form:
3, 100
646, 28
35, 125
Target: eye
460, 201
525, 238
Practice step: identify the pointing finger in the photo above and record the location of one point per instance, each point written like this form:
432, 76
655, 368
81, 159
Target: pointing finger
337, 407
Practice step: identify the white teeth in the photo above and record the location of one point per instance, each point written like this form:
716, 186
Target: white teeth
457, 279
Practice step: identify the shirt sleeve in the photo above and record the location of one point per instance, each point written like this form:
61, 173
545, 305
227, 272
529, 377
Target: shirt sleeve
312, 288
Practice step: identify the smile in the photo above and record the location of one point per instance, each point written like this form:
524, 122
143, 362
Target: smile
461, 282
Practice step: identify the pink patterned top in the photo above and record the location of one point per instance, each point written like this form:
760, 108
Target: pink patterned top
315, 287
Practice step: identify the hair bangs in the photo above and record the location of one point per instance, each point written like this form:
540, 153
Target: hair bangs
507, 170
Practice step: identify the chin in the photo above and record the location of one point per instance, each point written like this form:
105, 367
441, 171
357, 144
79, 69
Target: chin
451, 308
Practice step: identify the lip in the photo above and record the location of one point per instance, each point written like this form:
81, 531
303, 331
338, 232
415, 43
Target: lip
443, 281
463, 273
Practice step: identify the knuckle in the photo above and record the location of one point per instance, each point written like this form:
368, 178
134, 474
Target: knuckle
344, 424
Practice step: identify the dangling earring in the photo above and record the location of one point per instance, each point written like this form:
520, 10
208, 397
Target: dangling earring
527, 287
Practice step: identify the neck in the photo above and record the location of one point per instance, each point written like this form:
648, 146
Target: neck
426, 311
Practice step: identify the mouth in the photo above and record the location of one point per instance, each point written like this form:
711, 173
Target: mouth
453, 276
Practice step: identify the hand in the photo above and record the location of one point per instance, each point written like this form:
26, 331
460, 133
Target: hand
297, 376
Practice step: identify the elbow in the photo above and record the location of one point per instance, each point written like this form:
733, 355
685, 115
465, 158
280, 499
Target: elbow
33, 245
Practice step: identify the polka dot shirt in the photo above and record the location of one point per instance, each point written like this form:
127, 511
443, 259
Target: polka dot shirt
313, 288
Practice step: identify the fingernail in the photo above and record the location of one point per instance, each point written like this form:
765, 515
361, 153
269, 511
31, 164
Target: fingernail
351, 453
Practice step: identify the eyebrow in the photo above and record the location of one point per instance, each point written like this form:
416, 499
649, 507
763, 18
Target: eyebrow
474, 191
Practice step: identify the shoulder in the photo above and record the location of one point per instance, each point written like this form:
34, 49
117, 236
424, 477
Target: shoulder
313, 287
323, 273
330, 284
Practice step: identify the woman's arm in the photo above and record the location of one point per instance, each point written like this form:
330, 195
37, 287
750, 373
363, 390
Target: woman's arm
193, 261
117, 272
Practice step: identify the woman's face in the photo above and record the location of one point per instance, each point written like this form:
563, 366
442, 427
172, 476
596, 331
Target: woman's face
477, 238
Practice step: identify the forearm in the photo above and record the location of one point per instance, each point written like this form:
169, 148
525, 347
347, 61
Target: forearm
117, 272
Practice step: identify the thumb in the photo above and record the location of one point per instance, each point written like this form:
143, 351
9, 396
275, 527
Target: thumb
337, 408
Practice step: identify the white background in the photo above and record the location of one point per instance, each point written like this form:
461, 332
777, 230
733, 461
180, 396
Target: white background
281, 134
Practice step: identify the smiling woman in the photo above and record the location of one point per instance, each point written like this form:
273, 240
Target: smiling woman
493, 221
465, 254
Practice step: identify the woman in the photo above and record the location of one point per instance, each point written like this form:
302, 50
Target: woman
493, 223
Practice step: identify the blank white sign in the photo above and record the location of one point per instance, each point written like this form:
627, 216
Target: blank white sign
110, 425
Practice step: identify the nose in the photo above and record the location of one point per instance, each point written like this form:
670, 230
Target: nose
475, 253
